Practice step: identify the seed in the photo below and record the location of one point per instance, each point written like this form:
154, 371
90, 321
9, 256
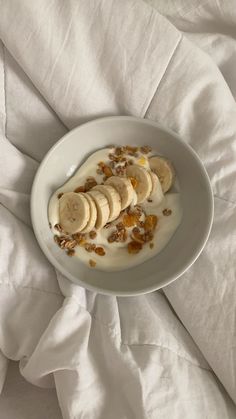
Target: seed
100, 251
50, 225
151, 245
92, 263
145, 149
70, 252
167, 212
92, 234
60, 195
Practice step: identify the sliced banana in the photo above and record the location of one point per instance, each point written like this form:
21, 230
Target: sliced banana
74, 212
156, 192
164, 170
93, 214
113, 198
124, 188
102, 205
144, 182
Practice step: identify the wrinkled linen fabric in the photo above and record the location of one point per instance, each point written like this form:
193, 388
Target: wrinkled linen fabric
169, 354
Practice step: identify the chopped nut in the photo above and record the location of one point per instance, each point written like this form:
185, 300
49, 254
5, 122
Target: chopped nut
80, 189
70, 252
134, 182
134, 247
119, 151
113, 237
131, 150
167, 212
151, 245
60, 195
122, 236
92, 263
90, 183
148, 236
101, 164
62, 242
130, 162
150, 222
145, 149
112, 156
70, 244
58, 227
78, 237
120, 226
92, 234
107, 171
120, 170
100, 251
90, 247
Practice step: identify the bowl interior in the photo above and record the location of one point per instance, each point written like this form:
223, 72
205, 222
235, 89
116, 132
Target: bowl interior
186, 244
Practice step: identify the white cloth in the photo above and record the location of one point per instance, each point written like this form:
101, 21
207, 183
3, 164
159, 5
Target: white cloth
66, 62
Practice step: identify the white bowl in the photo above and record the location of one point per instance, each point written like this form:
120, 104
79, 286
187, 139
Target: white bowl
186, 244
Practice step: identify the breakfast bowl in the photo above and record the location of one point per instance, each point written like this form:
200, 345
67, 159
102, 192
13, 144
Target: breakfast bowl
189, 238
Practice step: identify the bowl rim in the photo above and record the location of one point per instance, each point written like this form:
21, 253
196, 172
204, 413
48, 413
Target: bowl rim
101, 290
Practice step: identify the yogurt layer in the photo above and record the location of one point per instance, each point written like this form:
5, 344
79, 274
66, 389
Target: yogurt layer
116, 255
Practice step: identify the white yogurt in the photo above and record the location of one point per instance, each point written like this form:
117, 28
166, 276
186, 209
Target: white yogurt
117, 256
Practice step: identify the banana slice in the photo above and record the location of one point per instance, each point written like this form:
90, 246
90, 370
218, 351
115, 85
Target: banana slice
93, 214
144, 182
124, 188
74, 212
156, 192
113, 198
102, 205
164, 170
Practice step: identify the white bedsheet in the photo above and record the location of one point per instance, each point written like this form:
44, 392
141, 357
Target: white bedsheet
162, 355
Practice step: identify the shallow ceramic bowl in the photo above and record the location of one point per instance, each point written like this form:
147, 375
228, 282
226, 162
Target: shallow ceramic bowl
186, 244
